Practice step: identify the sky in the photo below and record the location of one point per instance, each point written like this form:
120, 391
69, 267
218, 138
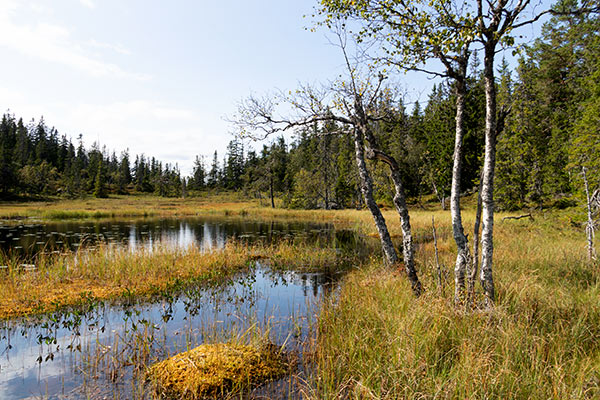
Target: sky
158, 77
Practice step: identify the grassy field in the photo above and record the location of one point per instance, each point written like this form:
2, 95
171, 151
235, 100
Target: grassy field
122, 206
541, 341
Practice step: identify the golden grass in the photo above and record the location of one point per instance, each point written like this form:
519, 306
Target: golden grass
120, 206
115, 273
216, 369
542, 340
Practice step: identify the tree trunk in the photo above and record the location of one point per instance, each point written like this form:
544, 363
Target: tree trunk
407, 242
590, 223
441, 198
489, 164
463, 257
366, 187
271, 191
400, 204
475, 264
437, 257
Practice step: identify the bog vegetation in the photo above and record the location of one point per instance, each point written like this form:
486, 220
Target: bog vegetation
507, 138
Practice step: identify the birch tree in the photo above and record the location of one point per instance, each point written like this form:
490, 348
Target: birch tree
495, 23
352, 104
410, 34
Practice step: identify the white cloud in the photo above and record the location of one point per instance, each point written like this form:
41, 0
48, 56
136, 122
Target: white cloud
171, 134
88, 3
114, 47
55, 44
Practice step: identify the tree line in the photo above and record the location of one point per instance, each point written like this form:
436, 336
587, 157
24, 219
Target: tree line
518, 137
36, 160
552, 127
537, 126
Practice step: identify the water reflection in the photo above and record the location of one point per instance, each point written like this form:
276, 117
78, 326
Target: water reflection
29, 239
68, 354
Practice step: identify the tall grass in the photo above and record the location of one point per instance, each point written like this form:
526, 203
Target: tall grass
112, 273
542, 340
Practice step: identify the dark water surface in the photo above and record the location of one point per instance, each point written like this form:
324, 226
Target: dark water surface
73, 355
30, 238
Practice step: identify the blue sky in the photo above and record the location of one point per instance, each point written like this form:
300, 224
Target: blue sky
153, 76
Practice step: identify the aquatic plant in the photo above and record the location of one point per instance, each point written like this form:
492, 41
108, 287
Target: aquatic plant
83, 278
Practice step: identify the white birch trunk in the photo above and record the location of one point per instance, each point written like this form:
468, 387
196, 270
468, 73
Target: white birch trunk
475, 264
463, 257
407, 241
590, 222
489, 164
401, 208
437, 257
366, 187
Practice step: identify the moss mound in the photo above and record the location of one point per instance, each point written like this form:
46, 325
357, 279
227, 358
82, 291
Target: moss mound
212, 369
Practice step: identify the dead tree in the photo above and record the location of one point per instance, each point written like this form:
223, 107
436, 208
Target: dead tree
352, 104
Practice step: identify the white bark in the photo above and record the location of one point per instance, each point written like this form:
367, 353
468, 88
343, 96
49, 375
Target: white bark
407, 242
366, 187
489, 164
401, 207
475, 261
437, 258
590, 227
463, 257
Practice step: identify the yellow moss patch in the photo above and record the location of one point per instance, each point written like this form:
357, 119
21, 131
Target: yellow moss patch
210, 369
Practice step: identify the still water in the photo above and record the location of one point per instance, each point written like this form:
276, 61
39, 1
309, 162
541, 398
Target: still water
30, 238
75, 354
70, 359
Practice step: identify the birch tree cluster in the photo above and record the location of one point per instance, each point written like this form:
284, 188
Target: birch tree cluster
534, 125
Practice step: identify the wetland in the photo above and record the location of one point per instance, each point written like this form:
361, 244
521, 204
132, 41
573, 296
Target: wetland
88, 305
89, 320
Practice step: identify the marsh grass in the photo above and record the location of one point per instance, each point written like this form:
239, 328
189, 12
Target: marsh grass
541, 341
375, 340
114, 273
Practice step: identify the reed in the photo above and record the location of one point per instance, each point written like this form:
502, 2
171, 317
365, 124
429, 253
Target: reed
116, 273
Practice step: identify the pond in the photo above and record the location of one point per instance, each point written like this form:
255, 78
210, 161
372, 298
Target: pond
85, 354
97, 352
29, 238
